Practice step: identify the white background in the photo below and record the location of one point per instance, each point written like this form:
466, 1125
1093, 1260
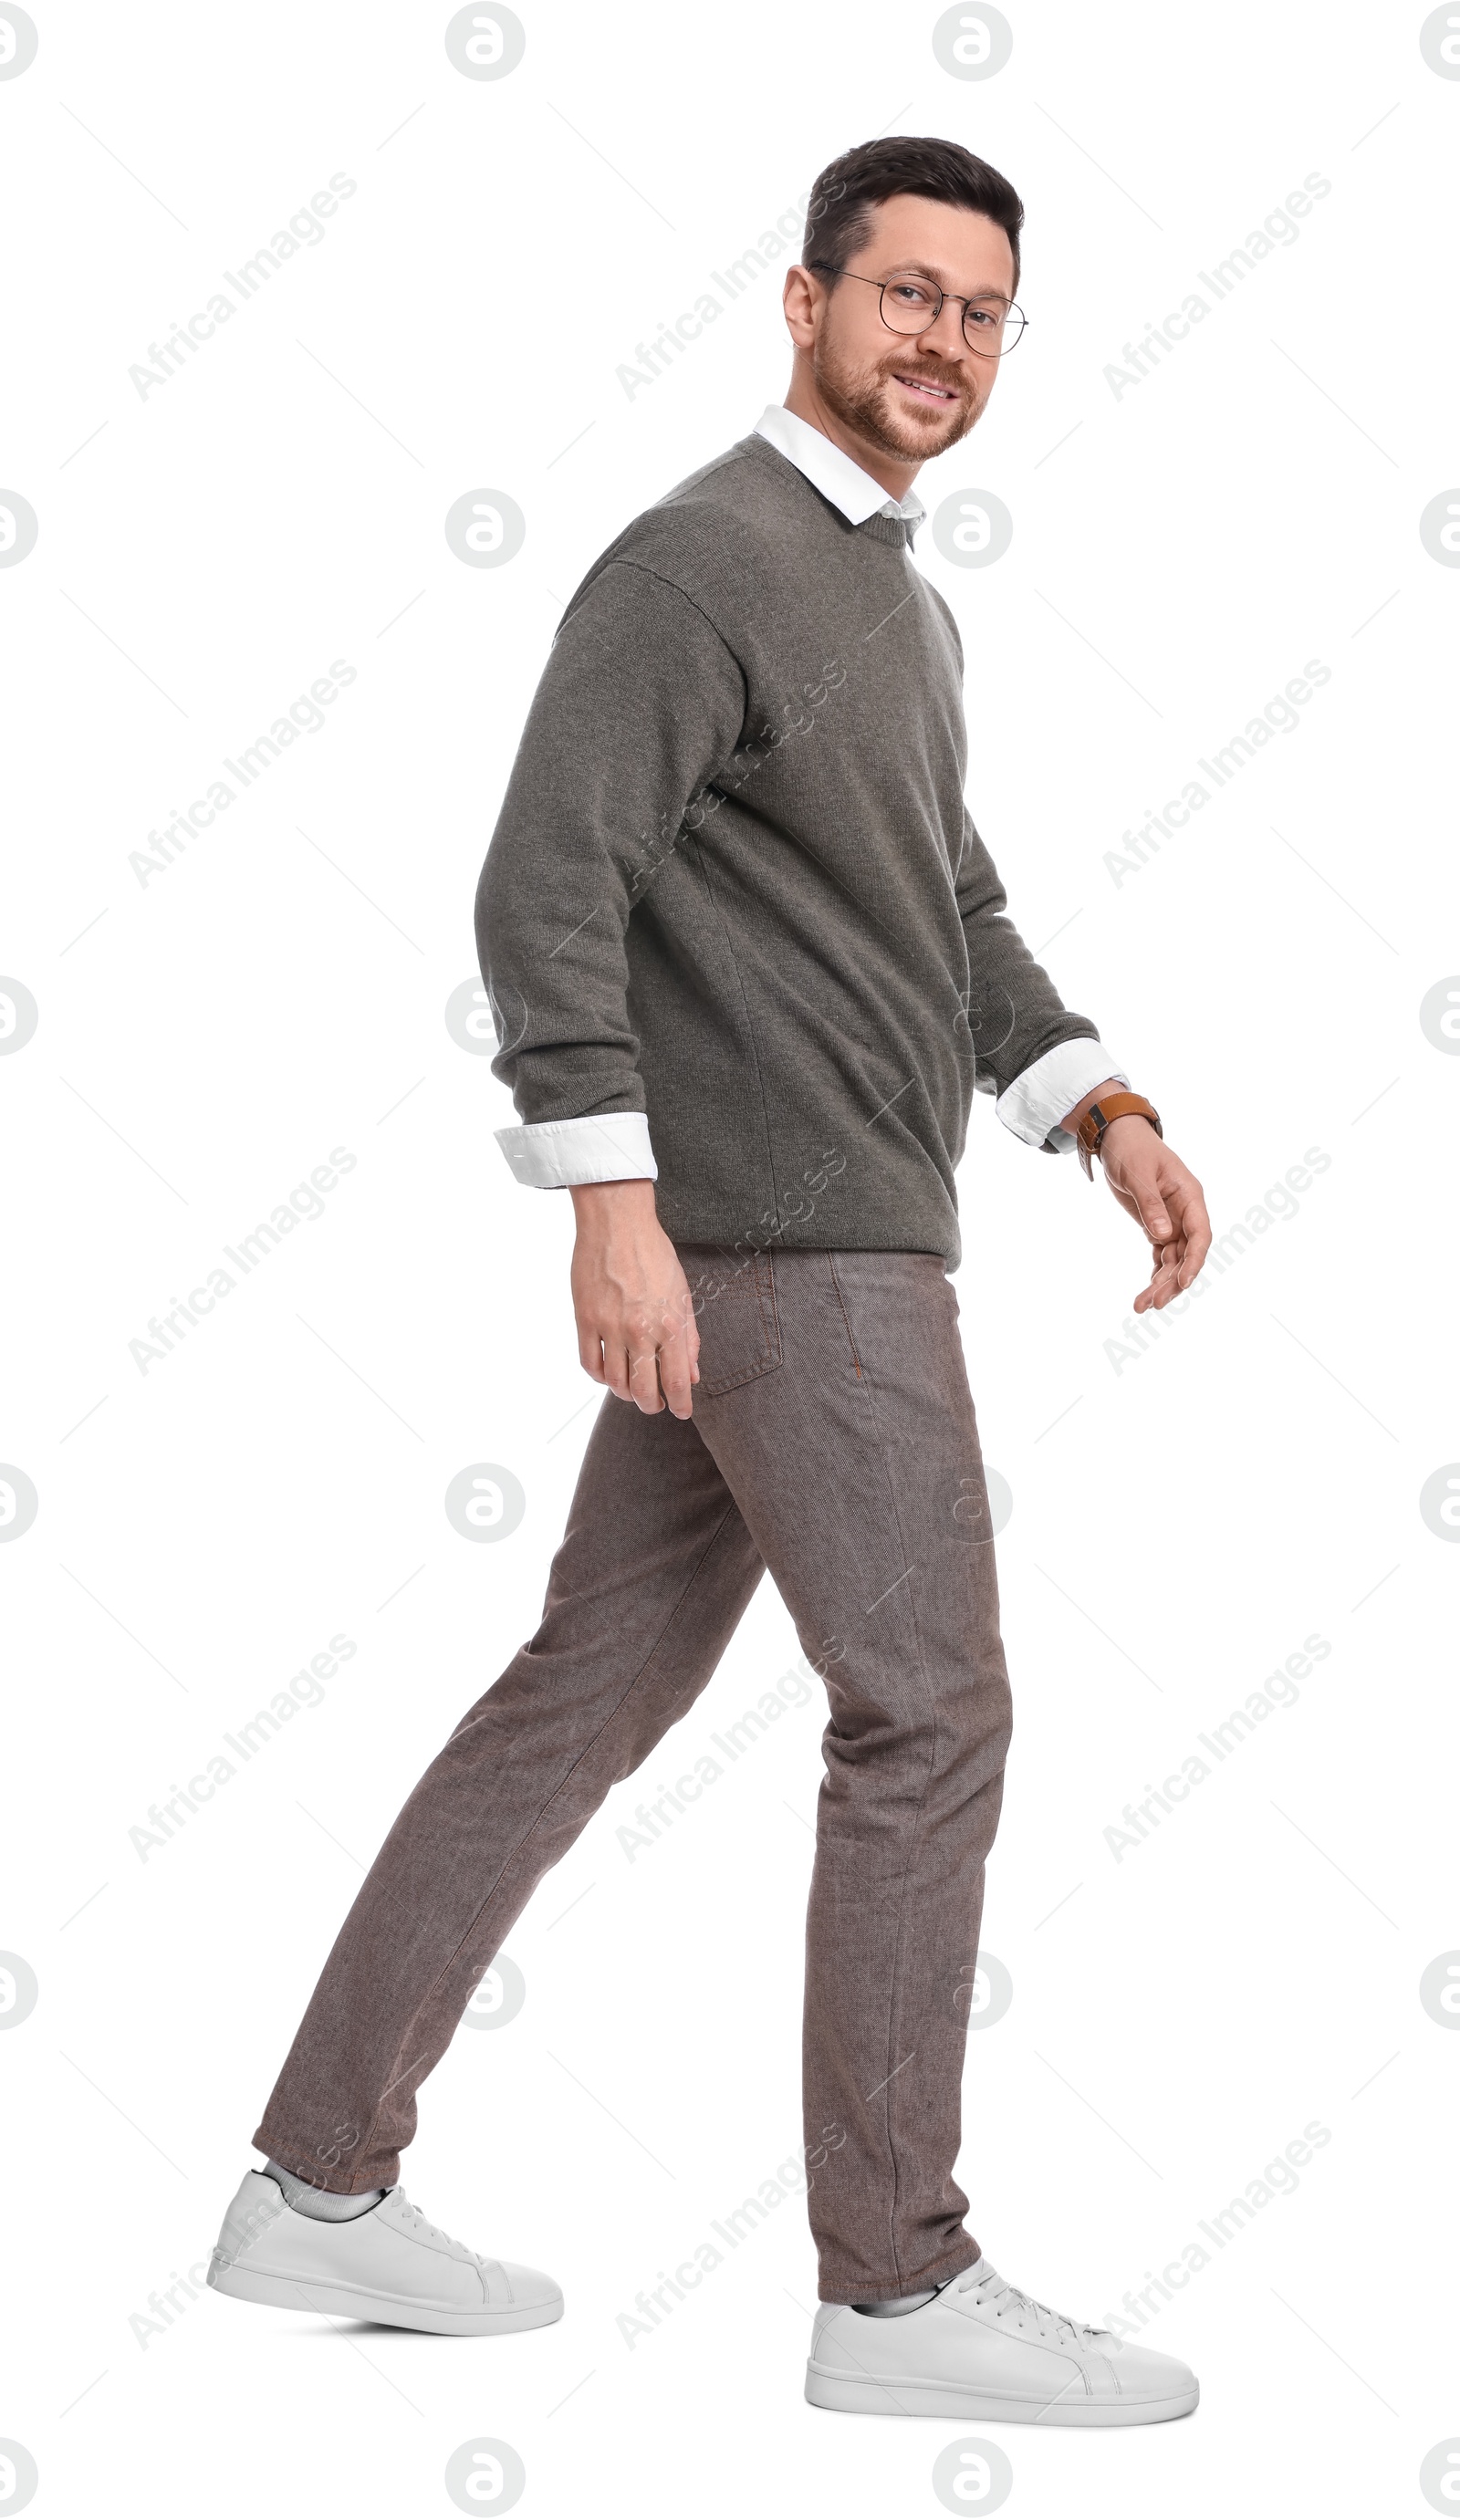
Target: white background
1181, 1519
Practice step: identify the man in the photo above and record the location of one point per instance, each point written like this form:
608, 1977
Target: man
749, 960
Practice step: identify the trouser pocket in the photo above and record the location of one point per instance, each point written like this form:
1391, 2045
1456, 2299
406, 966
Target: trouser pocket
734, 1296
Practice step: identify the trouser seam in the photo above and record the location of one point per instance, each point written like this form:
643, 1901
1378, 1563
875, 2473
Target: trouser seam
841, 1303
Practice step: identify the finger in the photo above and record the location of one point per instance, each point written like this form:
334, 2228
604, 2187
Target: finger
1181, 1192
590, 1354
675, 1375
1171, 1273
616, 1371
680, 1348
1175, 1266
679, 1355
1195, 1227
643, 1382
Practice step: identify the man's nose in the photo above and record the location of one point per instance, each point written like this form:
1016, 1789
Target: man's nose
945, 333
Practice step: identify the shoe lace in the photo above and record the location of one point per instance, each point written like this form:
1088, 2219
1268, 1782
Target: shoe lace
1004, 2296
433, 2229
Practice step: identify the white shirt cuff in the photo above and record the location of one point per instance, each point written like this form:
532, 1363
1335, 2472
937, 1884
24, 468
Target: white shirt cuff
605, 1146
1036, 1101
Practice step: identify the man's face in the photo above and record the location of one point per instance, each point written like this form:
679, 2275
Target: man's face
912, 396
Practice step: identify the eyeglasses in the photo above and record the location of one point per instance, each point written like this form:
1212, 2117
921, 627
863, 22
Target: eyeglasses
990, 325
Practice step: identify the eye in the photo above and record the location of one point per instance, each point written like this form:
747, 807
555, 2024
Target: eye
910, 293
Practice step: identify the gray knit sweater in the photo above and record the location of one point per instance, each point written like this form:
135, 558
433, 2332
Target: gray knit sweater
734, 882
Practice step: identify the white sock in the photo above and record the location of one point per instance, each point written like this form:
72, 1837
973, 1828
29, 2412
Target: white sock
317, 2202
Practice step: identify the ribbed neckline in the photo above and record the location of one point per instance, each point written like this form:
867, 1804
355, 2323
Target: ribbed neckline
888, 529
882, 529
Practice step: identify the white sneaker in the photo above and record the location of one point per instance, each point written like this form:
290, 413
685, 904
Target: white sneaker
983, 2349
388, 2265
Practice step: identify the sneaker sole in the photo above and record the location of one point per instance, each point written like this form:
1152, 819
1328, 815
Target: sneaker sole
955, 2403
388, 2309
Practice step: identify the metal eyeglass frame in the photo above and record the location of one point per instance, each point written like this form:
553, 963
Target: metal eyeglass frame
943, 296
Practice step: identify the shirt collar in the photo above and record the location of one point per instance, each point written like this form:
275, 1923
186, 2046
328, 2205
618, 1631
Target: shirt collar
831, 471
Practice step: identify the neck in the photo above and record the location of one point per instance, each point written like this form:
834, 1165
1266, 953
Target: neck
888, 470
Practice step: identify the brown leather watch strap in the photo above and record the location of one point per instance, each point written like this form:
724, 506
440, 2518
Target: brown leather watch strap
1111, 1106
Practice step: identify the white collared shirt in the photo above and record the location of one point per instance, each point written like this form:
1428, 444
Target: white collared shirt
831, 471
615, 1146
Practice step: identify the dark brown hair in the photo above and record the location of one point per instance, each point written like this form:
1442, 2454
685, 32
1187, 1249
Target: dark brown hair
845, 193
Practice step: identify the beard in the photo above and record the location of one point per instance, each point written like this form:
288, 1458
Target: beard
866, 399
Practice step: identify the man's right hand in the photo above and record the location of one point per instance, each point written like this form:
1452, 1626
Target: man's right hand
636, 1319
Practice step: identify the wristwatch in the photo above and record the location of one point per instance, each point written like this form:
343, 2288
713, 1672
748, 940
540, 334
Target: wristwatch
1111, 1106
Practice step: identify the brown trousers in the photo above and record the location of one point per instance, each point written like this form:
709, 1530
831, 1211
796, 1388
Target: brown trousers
833, 1440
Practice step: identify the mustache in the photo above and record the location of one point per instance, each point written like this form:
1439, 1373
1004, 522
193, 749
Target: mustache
920, 372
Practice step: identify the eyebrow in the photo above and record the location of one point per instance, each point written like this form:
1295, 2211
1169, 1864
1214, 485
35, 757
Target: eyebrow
929, 271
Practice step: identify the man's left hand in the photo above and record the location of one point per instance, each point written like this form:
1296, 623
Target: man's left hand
1155, 1187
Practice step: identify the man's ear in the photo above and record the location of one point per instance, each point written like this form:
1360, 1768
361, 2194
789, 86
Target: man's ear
799, 297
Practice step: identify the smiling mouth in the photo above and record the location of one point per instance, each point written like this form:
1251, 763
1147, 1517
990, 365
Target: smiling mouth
926, 391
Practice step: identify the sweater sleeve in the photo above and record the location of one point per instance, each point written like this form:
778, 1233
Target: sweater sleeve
639, 705
1018, 1021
